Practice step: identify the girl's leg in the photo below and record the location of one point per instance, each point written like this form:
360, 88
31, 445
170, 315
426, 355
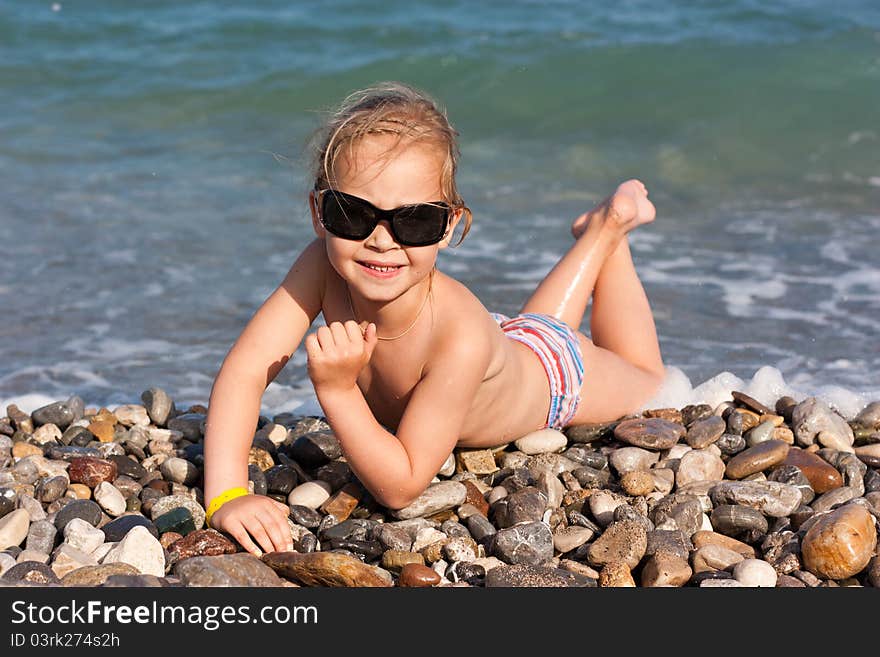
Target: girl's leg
622, 363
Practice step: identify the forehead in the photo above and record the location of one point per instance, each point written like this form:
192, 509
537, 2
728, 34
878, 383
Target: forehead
389, 172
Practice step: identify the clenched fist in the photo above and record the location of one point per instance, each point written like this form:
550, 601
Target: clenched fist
337, 353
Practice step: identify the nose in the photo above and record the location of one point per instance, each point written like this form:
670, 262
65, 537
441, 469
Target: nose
381, 238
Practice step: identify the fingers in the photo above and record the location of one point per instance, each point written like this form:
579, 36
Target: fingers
260, 527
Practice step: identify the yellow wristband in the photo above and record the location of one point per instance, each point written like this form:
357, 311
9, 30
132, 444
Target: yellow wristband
222, 499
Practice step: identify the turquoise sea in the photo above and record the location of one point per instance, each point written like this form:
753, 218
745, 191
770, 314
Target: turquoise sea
154, 174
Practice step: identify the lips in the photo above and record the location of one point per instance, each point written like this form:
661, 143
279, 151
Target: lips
380, 269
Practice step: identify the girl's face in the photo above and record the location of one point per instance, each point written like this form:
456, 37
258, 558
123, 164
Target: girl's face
409, 174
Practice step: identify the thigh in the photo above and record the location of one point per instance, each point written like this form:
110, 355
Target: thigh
612, 387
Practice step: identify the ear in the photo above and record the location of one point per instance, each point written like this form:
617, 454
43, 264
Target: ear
317, 226
450, 229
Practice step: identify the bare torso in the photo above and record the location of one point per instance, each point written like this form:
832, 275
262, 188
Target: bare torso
513, 397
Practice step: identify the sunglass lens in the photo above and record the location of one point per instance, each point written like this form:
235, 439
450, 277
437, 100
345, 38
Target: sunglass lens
346, 217
420, 225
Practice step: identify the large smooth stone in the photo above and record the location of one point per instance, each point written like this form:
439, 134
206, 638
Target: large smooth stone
437, 497
840, 543
820, 473
241, 569
324, 569
651, 433
757, 459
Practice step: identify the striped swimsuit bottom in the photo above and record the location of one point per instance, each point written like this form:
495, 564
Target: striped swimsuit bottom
559, 351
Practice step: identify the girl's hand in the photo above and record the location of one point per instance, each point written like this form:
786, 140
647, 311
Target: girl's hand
337, 354
255, 517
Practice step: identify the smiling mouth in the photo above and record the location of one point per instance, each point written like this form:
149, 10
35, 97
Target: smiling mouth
381, 268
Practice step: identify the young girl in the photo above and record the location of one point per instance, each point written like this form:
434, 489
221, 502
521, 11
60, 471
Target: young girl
410, 364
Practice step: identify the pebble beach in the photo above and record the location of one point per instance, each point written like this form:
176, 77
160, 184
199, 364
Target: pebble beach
736, 494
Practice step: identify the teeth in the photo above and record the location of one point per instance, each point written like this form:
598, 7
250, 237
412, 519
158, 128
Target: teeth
377, 268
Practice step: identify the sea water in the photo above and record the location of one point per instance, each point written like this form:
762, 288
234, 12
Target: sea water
155, 173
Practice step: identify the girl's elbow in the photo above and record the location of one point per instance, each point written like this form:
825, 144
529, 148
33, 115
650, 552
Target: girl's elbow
396, 499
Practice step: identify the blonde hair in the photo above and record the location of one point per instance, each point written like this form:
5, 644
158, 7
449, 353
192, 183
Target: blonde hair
391, 108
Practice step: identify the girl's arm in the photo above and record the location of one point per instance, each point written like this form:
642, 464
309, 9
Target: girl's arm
258, 355
395, 469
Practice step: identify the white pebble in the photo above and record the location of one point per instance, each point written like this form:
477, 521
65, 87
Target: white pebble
755, 572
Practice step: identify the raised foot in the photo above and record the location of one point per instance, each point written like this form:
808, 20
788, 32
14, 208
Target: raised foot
627, 208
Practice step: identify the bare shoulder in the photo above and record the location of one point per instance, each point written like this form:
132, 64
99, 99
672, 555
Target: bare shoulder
463, 327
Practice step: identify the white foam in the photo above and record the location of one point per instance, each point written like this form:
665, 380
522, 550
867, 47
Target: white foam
28, 402
766, 385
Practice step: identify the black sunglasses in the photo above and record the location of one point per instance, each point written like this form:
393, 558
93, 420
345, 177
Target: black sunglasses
353, 218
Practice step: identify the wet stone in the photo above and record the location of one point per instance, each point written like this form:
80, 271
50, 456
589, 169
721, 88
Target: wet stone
315, 449
736, 519
793, 476
770, 497
281, 479
758, 458
303, 515
418, 575
750, 403
437, 497
587, 433
179, 471
325, 569
469, 572
86, 510
730, 444
650, 433
812, 417
841, 543
61, 413
705, 432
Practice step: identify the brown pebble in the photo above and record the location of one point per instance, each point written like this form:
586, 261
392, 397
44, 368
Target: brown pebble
344, 501
820, 473
91, 471
104, 431
475, 497
417, 575
751, 403
80, 491
703, 537
637, 483
671, 414
841, 543
650, 433
616, 575
756, 459
22, 449
168, 538
784, 434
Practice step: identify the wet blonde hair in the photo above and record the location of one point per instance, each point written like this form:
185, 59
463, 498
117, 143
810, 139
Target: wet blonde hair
391, 108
